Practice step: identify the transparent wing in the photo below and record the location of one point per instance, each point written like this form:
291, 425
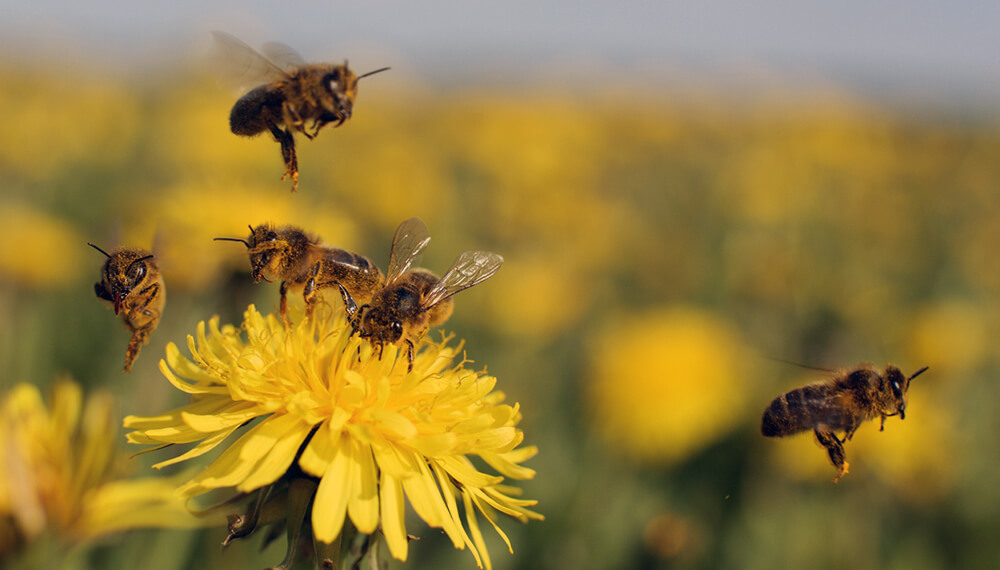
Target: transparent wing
282, 55
410, 239
470, 268
334, 256
835, 411
242, 65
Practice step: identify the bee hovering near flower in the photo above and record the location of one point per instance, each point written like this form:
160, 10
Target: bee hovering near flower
841, 403
296, 96
300, 260
132, 284
413, 300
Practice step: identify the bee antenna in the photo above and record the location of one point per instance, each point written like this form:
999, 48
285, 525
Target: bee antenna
918, 373
140, 259
243, 241
99, 249
373, 72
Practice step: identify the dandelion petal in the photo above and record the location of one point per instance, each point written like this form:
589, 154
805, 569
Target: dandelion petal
363, 505
335, 488
393, 525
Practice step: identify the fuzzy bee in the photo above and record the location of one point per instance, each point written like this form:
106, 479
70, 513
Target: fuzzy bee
132, 285
296, 96
840, 404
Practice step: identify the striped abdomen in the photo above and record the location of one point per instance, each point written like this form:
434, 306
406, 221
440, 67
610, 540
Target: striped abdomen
795, 411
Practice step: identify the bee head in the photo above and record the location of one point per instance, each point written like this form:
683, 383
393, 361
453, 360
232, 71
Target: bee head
894, 391
342, 86
894, 388
270, 248
123, 271
382, 326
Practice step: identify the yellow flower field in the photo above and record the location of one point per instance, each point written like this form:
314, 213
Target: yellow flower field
663, 253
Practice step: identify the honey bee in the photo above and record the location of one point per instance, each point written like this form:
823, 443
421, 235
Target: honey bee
132, 284
411, 301
294, 93
841, 403
299, 260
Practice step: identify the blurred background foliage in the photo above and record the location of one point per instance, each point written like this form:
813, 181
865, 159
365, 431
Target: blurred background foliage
660, 249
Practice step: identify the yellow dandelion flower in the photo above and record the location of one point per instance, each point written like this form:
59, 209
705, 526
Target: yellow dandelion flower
57, 468
345, 427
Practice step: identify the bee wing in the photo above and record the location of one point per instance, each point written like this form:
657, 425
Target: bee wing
282, 55
410, 239
337, 256
241, 63
832, 410
470, 268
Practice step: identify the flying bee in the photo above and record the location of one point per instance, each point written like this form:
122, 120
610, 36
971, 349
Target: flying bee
132, 284
411, 301
841, 403
293, 94
299, 260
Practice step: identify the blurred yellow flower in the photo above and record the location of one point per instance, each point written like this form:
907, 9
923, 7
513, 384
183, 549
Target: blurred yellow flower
951, 337
57, 466
548, 295
56, 120
41, 261
193, 136
666, 384
333, 408
351, 167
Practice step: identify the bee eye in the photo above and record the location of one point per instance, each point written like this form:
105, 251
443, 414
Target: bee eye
138, 273
397, 327
271, 236
895, 386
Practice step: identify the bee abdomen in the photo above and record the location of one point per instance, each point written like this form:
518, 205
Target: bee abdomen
247, 117
791, 412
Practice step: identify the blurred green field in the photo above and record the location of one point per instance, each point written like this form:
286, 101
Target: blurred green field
660, 249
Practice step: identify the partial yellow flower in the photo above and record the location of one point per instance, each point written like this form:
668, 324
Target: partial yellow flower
57, 468
97, 125
30, 262
662, 385
329, 406
952, 337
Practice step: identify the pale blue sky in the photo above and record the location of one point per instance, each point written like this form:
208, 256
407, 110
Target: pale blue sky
946, 47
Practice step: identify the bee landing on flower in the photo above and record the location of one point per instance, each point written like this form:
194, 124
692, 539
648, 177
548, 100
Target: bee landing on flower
341, 433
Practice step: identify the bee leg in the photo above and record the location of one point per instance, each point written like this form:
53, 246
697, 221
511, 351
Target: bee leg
287, 153
321, 122
316, 126
139, 338
834, 448
102, 293
351, 307
882, 427
309, 291
283, 304
410, 355
850, 433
